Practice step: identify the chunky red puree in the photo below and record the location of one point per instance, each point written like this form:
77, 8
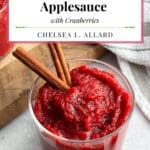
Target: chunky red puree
4, 43
93, 107
2, 3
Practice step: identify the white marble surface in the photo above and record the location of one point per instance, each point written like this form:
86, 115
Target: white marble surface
21, 134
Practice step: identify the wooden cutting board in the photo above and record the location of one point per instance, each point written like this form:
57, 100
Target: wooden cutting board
16, 79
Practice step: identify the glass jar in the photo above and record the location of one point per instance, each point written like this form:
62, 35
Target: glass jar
112, 141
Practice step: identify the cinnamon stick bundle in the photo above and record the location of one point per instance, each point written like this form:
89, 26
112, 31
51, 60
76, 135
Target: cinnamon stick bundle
39, 68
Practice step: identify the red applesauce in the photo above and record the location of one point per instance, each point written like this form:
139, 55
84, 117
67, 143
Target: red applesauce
4, 43
94, 106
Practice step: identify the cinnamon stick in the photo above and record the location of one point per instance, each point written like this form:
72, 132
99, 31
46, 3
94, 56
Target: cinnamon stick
57, 62
39, 68
61, 58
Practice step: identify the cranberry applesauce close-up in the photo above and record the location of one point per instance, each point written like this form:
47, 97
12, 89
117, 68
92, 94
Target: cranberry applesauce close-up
78, 104
91, 112
92, 115
93, 107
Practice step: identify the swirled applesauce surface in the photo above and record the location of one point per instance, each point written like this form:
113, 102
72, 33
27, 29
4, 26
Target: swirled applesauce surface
94, 106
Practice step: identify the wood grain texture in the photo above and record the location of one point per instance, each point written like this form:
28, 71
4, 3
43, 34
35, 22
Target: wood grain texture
16, 79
